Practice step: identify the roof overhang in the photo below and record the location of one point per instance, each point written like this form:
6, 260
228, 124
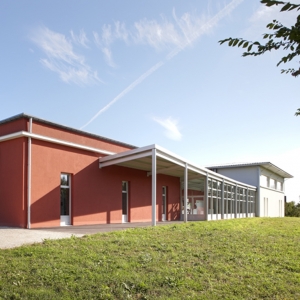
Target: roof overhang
267, 165
166, 163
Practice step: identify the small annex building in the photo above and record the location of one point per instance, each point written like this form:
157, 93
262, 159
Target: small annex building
268, 179
53, 175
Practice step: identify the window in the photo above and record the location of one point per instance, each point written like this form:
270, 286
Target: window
264, 181
266, 207
279, 186
124, 197
164, 202
64, 194
272, 183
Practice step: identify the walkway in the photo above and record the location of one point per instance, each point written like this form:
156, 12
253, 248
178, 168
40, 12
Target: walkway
15, 237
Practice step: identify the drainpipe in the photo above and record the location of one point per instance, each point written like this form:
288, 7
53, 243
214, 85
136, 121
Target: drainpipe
29, 177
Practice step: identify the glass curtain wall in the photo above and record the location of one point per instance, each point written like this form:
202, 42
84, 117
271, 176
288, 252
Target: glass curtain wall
195, 199
235, 201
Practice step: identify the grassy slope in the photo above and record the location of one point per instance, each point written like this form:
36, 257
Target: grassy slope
235, 259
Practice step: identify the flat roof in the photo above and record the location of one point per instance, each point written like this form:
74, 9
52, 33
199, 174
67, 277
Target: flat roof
167, 163
267, 165
27, 116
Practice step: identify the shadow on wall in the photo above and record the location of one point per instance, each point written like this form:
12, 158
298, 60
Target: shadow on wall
96, 196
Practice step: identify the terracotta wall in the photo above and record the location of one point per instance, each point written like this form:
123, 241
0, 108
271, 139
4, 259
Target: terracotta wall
13, 178
13, 126
79, 138
96, 193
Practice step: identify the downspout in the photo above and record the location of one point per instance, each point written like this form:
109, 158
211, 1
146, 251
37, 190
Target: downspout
29, 177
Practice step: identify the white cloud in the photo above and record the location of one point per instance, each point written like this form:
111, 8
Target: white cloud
80, 39
176, 33
121, 32
172, 131
264, 15
204, 28
157, 35
62, 59
104, 46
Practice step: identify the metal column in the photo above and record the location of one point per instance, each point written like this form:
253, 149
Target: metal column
154, 187
29, 178
185, 192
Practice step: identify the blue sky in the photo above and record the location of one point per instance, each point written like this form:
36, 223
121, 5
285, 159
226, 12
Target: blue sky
146, 72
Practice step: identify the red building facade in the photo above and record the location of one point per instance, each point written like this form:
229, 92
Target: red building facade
48, 172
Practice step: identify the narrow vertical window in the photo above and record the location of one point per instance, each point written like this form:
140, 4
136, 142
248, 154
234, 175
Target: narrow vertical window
64, 194
279, 186
164, 203
124, 201
266, 207
65, 199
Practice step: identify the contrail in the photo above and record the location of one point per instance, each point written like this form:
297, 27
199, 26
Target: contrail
124, 92
209, 24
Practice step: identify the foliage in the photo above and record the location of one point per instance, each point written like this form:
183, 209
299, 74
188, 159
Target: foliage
282, 38
292, 209
255, 258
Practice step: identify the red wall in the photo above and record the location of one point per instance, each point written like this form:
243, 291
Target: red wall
96, 194
13, 180
75, 137
13, 126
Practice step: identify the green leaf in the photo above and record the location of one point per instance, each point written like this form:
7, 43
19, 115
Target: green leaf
240, 43
249, 48
286, 7
235, 42
245, 44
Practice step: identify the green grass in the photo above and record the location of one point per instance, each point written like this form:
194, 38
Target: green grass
255, 258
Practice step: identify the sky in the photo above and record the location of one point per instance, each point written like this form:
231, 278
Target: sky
153, 72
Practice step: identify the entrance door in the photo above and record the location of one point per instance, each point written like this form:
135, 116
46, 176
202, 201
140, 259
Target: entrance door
124, 201
164, 203
65, 200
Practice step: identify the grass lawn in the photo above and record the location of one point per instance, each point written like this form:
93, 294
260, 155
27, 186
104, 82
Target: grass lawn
255, 258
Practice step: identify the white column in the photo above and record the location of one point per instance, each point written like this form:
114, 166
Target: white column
29, 178
235, 201
247, 193
257, 200
222, 200
206, 196
185, 192
154, 187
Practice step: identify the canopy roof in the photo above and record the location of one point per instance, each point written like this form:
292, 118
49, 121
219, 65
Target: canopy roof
166, 163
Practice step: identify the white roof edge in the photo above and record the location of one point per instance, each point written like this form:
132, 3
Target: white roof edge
52, 140
177, 157
272, 167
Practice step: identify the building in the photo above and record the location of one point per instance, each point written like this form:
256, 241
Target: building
52, 175
268, 179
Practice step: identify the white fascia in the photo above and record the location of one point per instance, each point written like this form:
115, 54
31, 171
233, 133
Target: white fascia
169, 156
53, 140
